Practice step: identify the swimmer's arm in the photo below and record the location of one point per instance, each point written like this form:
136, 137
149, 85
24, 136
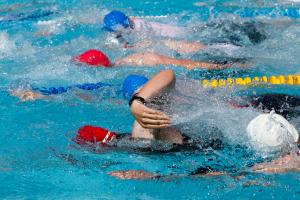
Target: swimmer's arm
183, 47
147, 117
158, 83
133, 175
143, 175
154, 59
27, 95
287, 163
190, 64
142, 59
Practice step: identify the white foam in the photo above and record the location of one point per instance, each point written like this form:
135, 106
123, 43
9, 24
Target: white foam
7, 45
290, 1
229, 49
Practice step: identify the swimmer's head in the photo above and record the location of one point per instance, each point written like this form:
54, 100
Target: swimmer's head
132, 83
92, 135
93, 58
270, 131
116, 19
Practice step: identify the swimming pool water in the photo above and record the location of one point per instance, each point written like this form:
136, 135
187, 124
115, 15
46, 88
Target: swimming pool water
39, 160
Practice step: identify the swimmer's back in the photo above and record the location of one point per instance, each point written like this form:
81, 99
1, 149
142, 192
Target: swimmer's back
283, 104
159, 29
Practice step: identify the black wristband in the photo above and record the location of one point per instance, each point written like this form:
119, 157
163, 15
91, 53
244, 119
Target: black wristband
136, 97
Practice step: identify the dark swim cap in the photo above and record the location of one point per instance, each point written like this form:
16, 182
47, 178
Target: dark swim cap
115, 18
132, 83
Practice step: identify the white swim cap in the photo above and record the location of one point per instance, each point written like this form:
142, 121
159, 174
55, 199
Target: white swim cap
271, 130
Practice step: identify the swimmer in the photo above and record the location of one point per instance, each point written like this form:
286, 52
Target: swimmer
283, 104
96, 58
119, 24
151, 127
281, 134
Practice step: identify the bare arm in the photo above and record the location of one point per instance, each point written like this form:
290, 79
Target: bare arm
189, 64
183, 47
154, 59
287, 163
161, 81
141, 59
133, 175
144, 175
146, 117
27, 95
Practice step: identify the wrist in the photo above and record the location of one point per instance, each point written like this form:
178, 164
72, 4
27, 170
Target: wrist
137, 98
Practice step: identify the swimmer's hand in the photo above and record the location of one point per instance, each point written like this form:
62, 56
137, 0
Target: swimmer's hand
26, 95
132, 174
189, 65
149, 118
287, 163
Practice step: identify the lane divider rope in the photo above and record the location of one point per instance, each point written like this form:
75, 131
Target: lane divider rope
293, 79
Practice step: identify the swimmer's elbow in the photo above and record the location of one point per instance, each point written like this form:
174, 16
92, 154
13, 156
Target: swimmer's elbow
169, 76
168, 73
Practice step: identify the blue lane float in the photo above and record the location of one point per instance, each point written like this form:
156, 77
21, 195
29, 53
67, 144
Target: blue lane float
61, 90
27, 16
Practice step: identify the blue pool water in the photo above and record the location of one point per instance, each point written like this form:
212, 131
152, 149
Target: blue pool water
39, 160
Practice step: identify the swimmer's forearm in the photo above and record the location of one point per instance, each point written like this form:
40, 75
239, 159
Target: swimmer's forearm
183, 46
189, 64
287, 163
158, 83
27, 95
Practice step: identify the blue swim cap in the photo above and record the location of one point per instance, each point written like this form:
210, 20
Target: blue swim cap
132, 83
115, 18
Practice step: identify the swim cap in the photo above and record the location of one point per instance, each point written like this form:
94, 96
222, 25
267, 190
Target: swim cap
271, 130
93, 57
114, 18
92, 134
132, 83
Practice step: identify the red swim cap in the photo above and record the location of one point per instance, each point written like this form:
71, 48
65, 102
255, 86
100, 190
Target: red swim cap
93, 57
92, 134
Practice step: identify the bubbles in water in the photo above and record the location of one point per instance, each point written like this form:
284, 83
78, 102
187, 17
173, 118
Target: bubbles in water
7, 45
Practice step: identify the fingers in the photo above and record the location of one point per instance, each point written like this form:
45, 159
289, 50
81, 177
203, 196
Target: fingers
155, 122
154, 119
154, 126
154, 114
150, 118
150, 123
